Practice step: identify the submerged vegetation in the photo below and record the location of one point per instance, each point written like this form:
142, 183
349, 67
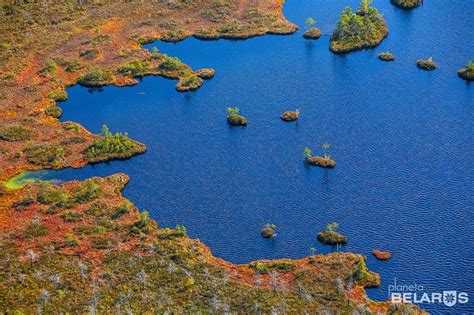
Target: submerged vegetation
112, 146
363, 29
330, 236
467, 73
234, 118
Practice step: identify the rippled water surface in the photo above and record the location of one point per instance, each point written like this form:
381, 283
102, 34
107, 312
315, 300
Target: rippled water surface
402, 139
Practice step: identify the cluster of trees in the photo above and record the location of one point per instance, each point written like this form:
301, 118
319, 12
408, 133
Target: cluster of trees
109, 145
363, 26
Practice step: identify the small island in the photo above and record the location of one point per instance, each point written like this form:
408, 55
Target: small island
427, 65
365, 28
321, 161
312, 32
467, 73
380, 255
330, 236
406, 4
290, 115
269, 231
386, 56
234, 118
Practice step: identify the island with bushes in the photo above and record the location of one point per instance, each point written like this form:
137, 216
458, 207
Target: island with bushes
426, 64
234, 118
81, 247
330, 236
467, 73
269, 231
364, 28
311, 32
406, 4
324, 161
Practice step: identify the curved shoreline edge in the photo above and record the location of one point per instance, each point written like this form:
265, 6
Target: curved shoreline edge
57, 228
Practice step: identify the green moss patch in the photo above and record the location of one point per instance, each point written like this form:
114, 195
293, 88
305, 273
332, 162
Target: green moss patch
16, 133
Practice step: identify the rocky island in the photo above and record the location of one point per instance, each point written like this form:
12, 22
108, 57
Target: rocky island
380, 255
386, 56
365, 28
290, 115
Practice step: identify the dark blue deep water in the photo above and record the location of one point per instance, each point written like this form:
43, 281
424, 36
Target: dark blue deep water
402, 139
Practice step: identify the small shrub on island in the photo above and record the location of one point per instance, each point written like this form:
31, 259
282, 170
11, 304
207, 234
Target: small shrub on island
269, 231
290, 115
321, 161
428, 64
386, 56
312, 32
380, 255
330, 236
467, 73
234, 118
406, 4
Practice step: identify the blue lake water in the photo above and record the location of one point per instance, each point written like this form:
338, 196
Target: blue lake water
402, 139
